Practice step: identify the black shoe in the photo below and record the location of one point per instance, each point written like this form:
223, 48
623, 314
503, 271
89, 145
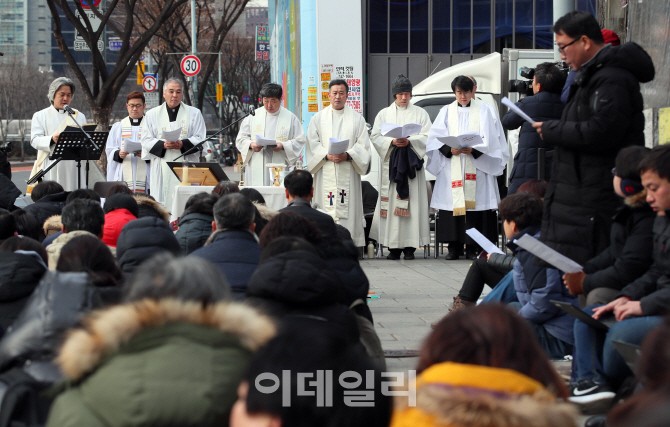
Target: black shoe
592, 398
393, 256
408, 256
596, 421
452, 256
471, 255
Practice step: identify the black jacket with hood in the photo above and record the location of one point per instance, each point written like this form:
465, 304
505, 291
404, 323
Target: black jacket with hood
603, 115
20, 272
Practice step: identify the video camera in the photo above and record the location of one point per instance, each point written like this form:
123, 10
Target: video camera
525, 87
6, 148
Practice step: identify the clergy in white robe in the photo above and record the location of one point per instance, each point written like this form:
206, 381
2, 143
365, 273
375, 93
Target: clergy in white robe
171, 115
124, 161
337, 177
466, 190
272, 122
45, 128
401, 225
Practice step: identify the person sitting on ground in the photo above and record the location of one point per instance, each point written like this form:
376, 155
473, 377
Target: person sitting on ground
233, 247
23, 262
290, 224
629, 254
27, 225
299, 192
142, 239
195, 224
81, 217
254, 195
537, 286
597, 368
175, 357
53, 227
49, 199
225, 187
148, 207
119, 210
263, 214
7, 225
119, 189
309, 352
481, 366
8, 190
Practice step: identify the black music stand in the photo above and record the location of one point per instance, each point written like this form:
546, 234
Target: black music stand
75, 146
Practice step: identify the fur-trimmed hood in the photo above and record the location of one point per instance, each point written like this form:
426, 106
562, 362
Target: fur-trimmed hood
452, 394
637, 200
105, 332
266, 212
53, 223
143, 202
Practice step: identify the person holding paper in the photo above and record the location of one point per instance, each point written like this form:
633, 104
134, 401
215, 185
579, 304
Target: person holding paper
337, 186
466, 191
124, 164
401, 216
45, 129
172, 115
545, 104
274, 124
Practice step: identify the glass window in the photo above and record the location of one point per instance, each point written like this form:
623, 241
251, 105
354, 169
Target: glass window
419, 26
398, 29
441, 25
461, 25
378, 25
482, 26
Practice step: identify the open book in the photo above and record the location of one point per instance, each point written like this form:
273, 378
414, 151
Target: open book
338, 146
470, 139
265, 142
391, 130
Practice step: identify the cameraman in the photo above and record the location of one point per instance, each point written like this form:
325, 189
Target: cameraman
545, 104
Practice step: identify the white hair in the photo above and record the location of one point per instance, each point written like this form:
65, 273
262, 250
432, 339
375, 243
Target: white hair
53, 87
174, 80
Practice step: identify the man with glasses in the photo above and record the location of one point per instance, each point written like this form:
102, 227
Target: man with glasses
603, 115
123, 160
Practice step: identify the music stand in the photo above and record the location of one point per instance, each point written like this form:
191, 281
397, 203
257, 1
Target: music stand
198, 173
75, 146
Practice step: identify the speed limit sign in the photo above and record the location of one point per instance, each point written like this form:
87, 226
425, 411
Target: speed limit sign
190, 65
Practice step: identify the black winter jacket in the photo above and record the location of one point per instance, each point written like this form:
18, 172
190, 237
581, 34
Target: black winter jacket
143, 238
653, 288
8, 193
540, 107
19, 275
47, 206
629, 254
603, 115
194, 230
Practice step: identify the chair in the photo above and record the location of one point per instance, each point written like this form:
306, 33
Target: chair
102, 187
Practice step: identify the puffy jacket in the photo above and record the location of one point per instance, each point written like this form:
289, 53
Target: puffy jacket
236, 254
536, 286
53, 250
141, 239
653, 288
603, 115
47, 206
194, 230
168, 363
540, 107
20, 272
57, 304
629, 254
8, 192
114, 223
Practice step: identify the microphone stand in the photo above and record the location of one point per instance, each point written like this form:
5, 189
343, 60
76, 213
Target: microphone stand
41, 173
199, 145
88, 138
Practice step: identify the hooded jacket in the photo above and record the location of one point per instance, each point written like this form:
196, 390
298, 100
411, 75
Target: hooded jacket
8, 192
453, 394
540, 107
603, 115
629, 254
147, 207
141, 239
194, 230
53, 250
19, 275
162, 363
47, 206
114, 223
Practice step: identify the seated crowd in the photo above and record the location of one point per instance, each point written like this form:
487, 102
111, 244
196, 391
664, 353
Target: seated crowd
245, 316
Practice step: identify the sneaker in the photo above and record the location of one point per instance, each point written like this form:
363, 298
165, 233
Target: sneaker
592, 398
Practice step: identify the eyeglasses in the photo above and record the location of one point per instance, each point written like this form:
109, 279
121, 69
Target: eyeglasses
613, 171
562, 48
133, 106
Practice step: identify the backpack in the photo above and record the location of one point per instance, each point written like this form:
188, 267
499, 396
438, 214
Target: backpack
24, 401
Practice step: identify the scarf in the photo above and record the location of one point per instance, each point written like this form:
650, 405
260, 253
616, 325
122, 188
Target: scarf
336, 176
463, 194
134, 169
402, 166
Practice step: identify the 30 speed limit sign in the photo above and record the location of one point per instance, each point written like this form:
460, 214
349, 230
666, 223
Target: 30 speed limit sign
190, 65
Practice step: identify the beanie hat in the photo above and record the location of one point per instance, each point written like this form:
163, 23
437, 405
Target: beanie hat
610, 37
400, 85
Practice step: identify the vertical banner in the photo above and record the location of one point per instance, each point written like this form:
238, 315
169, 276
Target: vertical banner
262, 43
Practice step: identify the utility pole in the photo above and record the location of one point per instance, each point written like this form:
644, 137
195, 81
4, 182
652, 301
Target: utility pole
220, 102
194, 50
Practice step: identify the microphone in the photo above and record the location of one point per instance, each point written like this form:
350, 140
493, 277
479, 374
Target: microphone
67, 109
252, 110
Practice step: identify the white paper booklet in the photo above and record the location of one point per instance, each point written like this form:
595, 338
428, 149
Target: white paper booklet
130, 146
470, 139
265, 142
171, 135
338, 146
391, 130
547, 254
517, 110
482, 241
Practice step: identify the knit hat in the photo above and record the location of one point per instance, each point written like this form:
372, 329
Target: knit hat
610, 37
400, 85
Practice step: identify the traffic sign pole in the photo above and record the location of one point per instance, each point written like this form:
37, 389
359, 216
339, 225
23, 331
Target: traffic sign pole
194, 50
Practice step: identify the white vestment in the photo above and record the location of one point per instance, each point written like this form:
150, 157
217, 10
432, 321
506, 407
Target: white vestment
282, 126
337, 187
115, 170
156, 120
490, 164
397, 231
45, 123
